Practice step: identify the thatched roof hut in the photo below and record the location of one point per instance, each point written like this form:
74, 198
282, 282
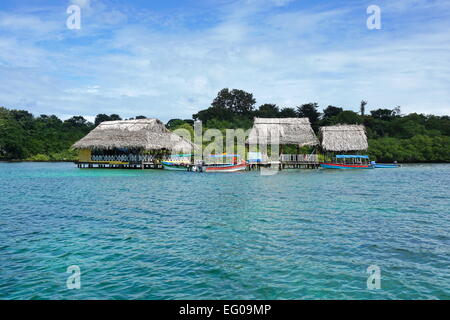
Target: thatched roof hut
295, 131
344, 138
144, 134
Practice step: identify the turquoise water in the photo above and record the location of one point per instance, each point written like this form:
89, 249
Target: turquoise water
300, 234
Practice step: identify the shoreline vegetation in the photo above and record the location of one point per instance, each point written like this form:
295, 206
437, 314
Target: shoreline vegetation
393, 136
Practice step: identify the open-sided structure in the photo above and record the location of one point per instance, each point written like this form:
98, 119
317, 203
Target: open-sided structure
129, 142
284, 131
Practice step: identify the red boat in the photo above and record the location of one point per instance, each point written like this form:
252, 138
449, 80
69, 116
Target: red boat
226, 167
345, 166
348, 162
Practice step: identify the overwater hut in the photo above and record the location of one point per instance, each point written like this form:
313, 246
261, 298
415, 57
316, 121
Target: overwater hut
129, 144
344, 138
285, 131
341, 140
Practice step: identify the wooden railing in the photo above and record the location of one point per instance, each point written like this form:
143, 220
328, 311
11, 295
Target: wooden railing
123, 158
299, 158
284, 158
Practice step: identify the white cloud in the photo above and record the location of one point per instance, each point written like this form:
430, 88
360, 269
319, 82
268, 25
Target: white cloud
282, 3
169, 70
27, 25
83, 4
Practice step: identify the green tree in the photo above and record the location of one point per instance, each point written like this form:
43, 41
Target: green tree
228, 105
310, 110
77, 121
268, 111
331, 111
348, 117
174, 123
104, 117
288, 113
214, 113
12, 138
114, 117
383, 114
101, 118
363, 108
237, 101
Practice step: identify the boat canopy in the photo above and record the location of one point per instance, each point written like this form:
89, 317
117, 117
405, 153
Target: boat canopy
222, 155
347, 156
181, 155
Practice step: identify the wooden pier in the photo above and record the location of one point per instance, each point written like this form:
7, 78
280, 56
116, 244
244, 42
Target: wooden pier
282, 166
289, 161
286, 161
119, 165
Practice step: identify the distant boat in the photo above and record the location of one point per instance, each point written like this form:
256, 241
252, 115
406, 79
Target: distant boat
386, 165
348, 162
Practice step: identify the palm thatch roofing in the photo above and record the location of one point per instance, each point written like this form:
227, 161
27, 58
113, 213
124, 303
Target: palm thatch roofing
344, 138
145, 134
296, 131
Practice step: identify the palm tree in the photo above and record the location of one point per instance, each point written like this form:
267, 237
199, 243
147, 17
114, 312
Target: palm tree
363, 107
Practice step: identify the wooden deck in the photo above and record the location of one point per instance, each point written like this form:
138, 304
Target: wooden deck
289, 161
286, 161
118, 165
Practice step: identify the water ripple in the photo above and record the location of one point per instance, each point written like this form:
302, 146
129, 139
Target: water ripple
174, 235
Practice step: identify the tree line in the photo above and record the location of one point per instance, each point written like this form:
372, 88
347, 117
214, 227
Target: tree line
392, 135
43, 138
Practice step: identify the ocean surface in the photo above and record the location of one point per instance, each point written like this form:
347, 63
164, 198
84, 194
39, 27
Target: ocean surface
299, 234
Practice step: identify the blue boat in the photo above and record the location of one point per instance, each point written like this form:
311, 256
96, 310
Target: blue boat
348, 162
326, 165
180, 162
386, 165
175, 166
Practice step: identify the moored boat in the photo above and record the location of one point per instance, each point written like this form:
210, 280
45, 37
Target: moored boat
386, 165
223, 163
175, 166
179, 162
352, 162
226, 167
344, 166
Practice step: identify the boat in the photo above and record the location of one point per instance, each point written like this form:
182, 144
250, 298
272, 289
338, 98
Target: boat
175, 166
344, 166
386, 165
223, 163
350, 162
226, 167
180, 162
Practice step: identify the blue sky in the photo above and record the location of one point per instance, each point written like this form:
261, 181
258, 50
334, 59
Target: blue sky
168, 59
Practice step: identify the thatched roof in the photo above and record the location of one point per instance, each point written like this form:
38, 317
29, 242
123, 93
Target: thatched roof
146, 134
344, 138
289, 131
